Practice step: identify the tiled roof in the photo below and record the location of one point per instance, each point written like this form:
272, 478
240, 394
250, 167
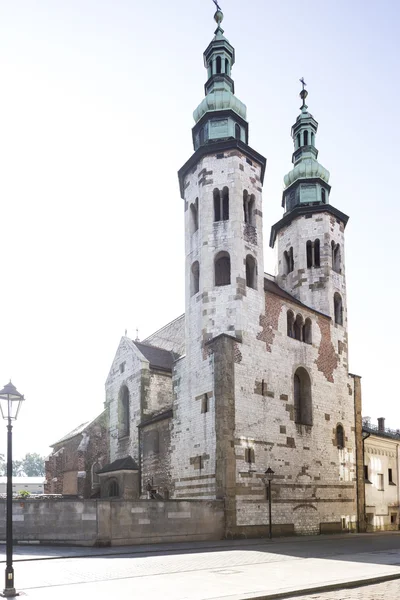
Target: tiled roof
121, 464
157, 357
72, 433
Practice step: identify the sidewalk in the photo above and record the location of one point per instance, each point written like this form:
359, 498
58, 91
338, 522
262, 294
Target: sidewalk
239, 570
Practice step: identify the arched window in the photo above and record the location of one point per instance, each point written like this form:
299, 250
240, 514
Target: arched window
290, 323
124, 412
288, 261
219, 64
291, 260
222, 269
306, 138
251, 272
338, 308
194, 216
248, 207
336, 258
312, 138
217, 205
227, 71
113, 489
323, 196
317, 259
339, 436
298, 328
307, 332
237, 131
210, 69
309, 254
302, 397
298, 140
225, 204
221, 205
195, 278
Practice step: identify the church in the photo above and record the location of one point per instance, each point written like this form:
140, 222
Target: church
254, 375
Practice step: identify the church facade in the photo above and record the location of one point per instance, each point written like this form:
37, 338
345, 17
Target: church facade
255, 374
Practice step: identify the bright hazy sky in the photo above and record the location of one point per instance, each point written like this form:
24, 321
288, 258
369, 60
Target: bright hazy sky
95, 120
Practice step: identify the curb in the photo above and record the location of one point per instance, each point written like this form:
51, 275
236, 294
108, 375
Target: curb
346, 585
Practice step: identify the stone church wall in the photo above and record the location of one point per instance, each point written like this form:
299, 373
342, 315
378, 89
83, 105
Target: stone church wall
115, 522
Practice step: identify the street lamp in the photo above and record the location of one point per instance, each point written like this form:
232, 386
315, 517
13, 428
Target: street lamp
10, 403
269, 475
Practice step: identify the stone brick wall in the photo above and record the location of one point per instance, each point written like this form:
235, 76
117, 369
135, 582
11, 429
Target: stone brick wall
156, 456
115, 522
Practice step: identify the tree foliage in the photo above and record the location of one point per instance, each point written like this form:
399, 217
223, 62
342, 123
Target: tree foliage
32, 465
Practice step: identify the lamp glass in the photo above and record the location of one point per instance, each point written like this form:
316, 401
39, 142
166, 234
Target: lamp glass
269, 474
10, 402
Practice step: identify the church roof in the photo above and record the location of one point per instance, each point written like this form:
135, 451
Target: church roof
72, 433
121, 464
157, 357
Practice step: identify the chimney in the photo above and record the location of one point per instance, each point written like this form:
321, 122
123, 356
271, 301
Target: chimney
381, 424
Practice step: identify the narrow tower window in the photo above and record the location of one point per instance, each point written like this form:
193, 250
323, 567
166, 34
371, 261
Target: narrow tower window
312, 138
227, 66
290, 323
237, 131
288, 261
217, 205
302, 397
306, 138
201, 136
298, 140
222, 269
219, 64
195, 280
194, 215
309, 254
336, 259
291, 260
225, 204
316, 254
340, 436
251, 272
248, 207
323, 196
338, 308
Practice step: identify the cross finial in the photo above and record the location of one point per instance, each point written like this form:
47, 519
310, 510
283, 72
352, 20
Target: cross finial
217, 5
303, 93
137, 334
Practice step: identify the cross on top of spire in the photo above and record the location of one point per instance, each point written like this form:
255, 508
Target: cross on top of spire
303, 93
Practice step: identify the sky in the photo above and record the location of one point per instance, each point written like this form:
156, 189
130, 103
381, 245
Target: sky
96, 111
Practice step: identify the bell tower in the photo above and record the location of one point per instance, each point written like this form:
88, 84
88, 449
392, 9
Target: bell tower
221, 185
310, 237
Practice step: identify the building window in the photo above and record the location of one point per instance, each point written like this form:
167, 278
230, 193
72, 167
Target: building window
298, 140
248, 207
340, 436
298, 328
249, 455
221, 205
390, 477
195, 278
290, 324
307, 331
312, 138
393, 518
124, 417
380, 482
113, 489
251, 272
323, 196
366, 477
201, 136
288, 261
122, 367
227, 70
302, 397
204, 404
336, 258
338, 308
313, 254
237, 131
219, 64
306, 138
222, 269
194, 216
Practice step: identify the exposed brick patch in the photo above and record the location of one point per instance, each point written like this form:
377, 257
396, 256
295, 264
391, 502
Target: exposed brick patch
250, 234
327, 360
238, 354
282, 429
284, 397
269, 321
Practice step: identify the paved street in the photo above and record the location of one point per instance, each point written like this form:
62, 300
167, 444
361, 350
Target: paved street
229, 571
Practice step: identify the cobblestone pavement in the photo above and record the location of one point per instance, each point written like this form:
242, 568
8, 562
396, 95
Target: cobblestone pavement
390, 590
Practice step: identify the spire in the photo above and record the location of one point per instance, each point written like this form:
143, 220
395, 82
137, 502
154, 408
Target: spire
308, 181
219, 58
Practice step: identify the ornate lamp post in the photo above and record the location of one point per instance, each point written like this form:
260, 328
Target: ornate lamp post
10, 403
269, 475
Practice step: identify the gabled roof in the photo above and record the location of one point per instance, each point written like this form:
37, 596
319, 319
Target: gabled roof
72, 433
157, 357
121, 464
